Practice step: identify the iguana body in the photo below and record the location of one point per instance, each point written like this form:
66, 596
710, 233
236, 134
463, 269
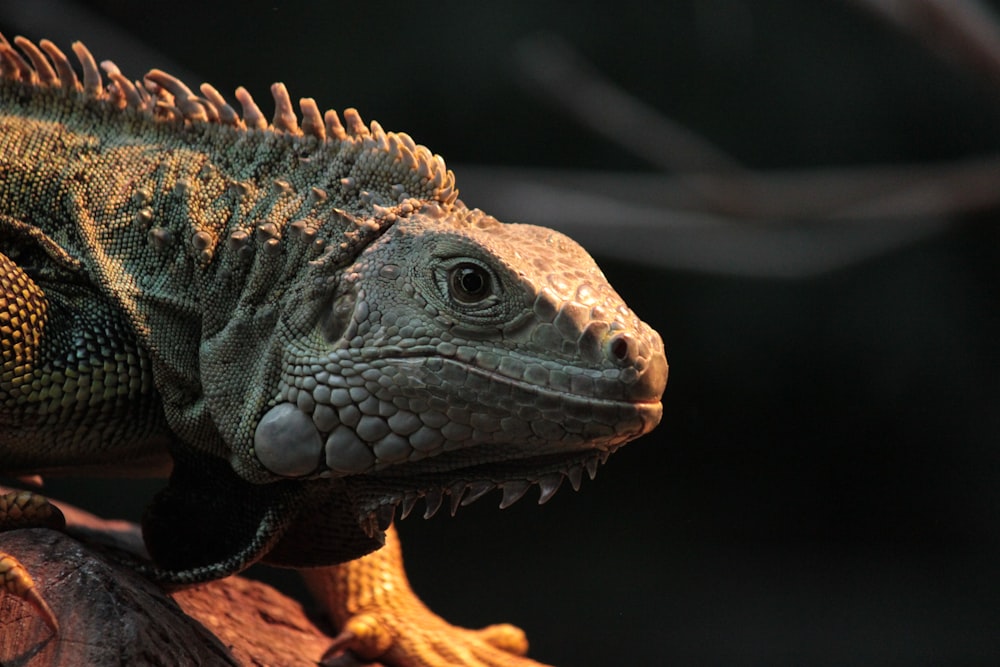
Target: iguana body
301, 317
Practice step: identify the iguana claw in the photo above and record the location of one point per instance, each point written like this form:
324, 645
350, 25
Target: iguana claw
14, 578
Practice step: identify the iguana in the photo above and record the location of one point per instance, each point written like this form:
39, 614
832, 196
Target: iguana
301, 322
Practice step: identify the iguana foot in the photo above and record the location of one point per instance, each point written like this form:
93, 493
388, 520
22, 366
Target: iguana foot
428, 642
382, 620
24, 509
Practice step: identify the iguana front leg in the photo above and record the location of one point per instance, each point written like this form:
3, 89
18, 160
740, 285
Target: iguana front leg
74, 390
23, 313
381, 619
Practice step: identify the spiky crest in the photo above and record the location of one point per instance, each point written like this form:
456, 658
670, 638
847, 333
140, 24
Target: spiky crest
166, 98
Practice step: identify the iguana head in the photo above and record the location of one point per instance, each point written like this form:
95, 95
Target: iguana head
458, 354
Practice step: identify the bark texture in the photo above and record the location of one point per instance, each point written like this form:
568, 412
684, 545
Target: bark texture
109, 615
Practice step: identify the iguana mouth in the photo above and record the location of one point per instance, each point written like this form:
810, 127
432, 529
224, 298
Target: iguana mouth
612, 409
464, 475
580, 385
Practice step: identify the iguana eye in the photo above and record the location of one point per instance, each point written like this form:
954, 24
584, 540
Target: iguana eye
472, 292
469, 283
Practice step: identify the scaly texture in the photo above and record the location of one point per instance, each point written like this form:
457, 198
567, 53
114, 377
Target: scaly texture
300, 317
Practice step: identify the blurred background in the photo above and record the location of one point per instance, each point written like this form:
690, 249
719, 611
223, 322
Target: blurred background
801, 197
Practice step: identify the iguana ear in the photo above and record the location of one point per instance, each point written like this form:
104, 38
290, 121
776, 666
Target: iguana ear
325, 531
209, 523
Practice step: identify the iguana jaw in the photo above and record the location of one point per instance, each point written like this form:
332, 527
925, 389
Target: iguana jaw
377, 497
450, 428
465, 474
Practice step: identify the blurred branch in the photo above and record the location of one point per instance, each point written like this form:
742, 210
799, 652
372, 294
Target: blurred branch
791, 225
965, 31
713, 214
716, 183
564, 78
885, 192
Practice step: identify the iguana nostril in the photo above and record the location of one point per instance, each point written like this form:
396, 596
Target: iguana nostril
619, 348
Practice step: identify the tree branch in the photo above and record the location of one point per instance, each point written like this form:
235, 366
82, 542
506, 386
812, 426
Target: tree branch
964, 31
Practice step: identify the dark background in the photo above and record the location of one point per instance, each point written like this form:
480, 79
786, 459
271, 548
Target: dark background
823, 489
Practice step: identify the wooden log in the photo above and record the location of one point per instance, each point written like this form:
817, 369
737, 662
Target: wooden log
108, 614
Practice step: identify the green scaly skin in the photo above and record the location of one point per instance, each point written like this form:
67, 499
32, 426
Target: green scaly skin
299, 316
